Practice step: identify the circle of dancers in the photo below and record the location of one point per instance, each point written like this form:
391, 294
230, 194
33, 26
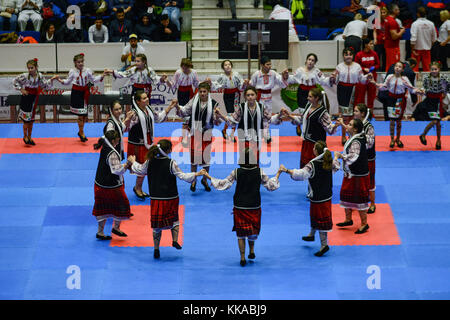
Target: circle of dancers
248, 118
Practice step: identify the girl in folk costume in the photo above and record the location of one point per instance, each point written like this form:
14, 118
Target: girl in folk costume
162, 174
397, 85
355, 186
186, 80
141, 132
232, 83
316, 123
110, 198
347, 75
82, 80
247, 200
264, 80
308, 77
369, 62
201, 111
141, 76
30, 84
251, 118
436, 86
115, 123
319, 173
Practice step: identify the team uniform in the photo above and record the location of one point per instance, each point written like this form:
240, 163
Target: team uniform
396, 100
264, 83
316, 124
371, 154
232, 87
34, 87
367, 60
392, 47
162, 173
113, 124
139, 79
187, 85
110, 198
432, 107
307, 80
355, 185
202, 120
247, 198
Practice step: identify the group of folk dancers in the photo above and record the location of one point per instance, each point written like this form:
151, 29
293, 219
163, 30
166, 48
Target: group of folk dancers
250, 119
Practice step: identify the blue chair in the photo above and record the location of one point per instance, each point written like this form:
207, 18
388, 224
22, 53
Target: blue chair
407, 35
318, 33
302, 31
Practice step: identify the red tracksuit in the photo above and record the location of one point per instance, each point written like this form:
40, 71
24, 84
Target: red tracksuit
367, 60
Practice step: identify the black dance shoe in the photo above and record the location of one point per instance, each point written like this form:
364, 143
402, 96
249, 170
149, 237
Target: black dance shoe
322, 251
438, 146
31, 142
363, 230
423, 140
308, 238
251, 256
83, 139
399, 143
299, 131
193, 185
156, 254
119, 233
243, 263
176, 245
371, 209
205, 184
98, 236
392, 144
140, 197
345, 223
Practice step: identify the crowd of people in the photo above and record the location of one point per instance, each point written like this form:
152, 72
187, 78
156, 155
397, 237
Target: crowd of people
101, 21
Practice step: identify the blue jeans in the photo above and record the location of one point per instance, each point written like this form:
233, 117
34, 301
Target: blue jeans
174, 15
12, 22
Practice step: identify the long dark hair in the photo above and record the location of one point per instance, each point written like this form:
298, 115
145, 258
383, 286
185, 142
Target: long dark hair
110, 135
163, 144
248, 159
320, 93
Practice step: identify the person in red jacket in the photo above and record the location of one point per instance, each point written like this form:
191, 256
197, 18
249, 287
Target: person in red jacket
369, 62
393, 34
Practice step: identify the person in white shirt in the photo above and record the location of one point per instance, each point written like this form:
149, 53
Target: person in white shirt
30, 10
281, 13
354, 32
130, 51
444, 39
423, 35
98, 32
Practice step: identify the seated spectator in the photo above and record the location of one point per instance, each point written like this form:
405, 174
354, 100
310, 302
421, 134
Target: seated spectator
8, 12
173, 10
130, 51
142, 7
98, 32
354, 7
166, 30
120, 28
48, 36
354, 32
144, 29
126, 5
29, 10
68, 35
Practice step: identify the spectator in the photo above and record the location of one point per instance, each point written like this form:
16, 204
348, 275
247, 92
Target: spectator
9, 11
166, 30
393, 34
354, 32
126, 5
98, 32
444, 39
378, 38
48, 36
70, 35
29, 10
423, 35
130, 51
354, 7
145, 28
120, 28
173, 10
232, 7
142, 7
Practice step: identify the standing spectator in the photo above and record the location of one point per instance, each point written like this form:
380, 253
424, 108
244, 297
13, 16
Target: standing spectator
130, 51
29, 10
444, 39
144, 29
8, 8
354, 32
393, 34
378, 38
70, 35
232, 7
166, 30
48, 36
423, 35
120, 28
98, 33
173, 9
